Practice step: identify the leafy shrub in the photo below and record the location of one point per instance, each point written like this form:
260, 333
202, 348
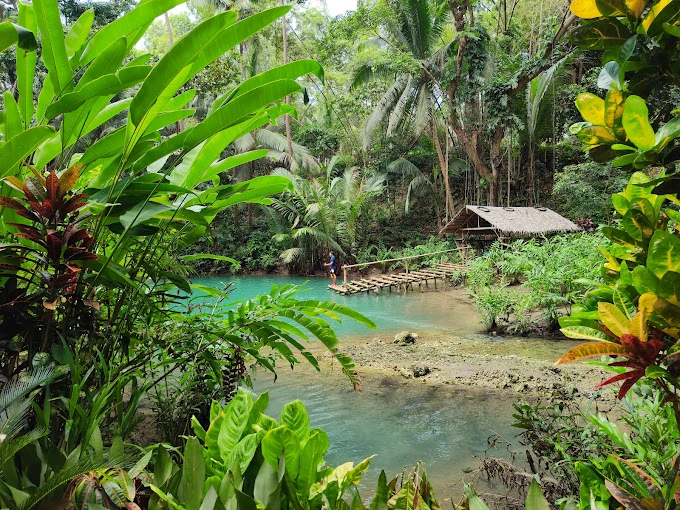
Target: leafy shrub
546, 276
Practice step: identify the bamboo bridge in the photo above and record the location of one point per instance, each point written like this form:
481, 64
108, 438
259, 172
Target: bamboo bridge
398, 281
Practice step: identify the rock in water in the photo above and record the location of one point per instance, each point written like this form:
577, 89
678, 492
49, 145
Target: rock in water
405, 338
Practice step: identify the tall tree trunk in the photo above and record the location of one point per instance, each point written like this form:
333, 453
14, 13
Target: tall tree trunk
468, 137
444, 164
289, 136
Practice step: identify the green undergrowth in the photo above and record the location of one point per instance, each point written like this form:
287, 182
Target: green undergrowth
529, 284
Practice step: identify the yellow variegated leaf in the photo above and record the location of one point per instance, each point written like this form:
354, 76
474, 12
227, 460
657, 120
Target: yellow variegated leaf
614, 105
593, 136
612, 263
613, 318
591, 108
636, 7
638, 327
585, 333
653, 13
593, 349
586, 9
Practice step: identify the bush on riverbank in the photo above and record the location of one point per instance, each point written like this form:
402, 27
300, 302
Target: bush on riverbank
531, 283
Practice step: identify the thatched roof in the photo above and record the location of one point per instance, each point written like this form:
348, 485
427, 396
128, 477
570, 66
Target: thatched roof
508, 221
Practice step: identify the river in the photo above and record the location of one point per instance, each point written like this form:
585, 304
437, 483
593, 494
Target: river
401, 422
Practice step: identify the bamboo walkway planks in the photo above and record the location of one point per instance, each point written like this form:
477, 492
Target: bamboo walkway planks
398, 280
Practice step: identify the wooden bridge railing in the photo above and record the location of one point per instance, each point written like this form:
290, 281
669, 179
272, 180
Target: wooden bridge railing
364, 264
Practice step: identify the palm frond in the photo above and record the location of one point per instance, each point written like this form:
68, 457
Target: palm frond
384, 106
23, 384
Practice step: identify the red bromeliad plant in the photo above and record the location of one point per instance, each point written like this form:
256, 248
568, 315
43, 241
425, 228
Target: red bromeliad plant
40, 273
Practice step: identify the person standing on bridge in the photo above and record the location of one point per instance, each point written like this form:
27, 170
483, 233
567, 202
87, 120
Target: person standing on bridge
332, 267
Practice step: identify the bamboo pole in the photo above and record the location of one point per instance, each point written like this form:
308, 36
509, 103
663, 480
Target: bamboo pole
399, 259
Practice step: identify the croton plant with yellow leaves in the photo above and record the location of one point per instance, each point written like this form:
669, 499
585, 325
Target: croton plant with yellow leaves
635, 314
639, 43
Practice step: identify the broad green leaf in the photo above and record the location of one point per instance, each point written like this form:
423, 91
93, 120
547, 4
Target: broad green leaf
193, 474
25, 62
474, 501
183, 54
310, 458
53, 46
235, 422
585, 333
211, 256
669, 287
233, 161
109, 84
11, 34
13, 121
237, 110
535, 499
664, 253
593, 349
267, 485
20, 147
591, 108
636, 123
381, 496
662, 12
142, 212
295, 417
282, 441
596, 135
609, 76
78, 33
600, 34
613, 318
128, 24
667, 133
291, 71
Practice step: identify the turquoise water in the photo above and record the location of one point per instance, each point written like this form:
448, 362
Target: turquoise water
391, 311
400, 422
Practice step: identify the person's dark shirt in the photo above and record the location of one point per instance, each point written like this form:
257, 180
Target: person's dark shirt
333, 262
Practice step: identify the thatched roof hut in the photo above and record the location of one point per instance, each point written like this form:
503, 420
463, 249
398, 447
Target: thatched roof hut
480, 220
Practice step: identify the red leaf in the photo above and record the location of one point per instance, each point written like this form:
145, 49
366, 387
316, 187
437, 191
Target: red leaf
75, 202
29, 232
10, 203
52, 186
619, 377
54, 246
627, 385
86, 255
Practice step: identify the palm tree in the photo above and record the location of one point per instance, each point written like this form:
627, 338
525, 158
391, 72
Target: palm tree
417, 31
322, 214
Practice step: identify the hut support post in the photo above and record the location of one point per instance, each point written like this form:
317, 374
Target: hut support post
344, 277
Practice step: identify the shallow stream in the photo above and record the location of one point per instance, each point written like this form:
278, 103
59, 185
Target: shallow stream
399, 421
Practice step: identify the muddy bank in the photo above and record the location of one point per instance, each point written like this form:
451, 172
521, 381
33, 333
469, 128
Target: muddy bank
468, 356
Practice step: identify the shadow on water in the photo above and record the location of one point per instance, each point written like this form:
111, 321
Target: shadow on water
399, 422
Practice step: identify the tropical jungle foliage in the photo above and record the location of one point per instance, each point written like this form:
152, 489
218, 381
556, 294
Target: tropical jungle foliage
140, 146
